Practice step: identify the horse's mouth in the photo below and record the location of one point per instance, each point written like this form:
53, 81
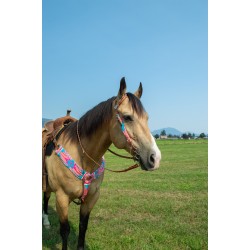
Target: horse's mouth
143, 167
146, 166
138, 159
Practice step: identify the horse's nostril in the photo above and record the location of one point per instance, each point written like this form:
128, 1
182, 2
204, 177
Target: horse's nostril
152, 159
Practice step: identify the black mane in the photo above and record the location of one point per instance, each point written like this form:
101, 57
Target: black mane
100, 114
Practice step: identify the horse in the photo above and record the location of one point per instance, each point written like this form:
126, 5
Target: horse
75, 168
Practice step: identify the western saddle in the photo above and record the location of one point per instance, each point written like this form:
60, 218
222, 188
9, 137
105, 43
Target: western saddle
50, 131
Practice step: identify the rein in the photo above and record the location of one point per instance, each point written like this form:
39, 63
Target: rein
122, 156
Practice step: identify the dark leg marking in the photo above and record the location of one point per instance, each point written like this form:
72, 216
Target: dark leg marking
45, 202
64, 232
84, 219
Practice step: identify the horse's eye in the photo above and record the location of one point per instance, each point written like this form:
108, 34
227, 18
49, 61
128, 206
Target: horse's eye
127, 118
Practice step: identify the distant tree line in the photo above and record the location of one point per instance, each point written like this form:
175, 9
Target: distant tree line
183, 136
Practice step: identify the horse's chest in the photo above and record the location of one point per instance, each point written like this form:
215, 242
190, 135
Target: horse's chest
75, 190
61, 177
95, 185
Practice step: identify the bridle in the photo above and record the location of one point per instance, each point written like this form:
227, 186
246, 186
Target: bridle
133, 149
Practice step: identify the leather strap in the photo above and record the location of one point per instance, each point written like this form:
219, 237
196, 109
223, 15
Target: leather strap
124, 170
122, 156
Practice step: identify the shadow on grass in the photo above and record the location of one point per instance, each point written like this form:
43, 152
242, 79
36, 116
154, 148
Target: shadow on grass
51, 238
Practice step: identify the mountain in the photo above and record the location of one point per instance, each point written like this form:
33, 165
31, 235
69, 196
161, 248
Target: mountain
44, 120
171, 131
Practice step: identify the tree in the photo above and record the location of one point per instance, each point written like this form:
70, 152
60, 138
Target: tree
156, 136
163, 132
184, 136
202, 135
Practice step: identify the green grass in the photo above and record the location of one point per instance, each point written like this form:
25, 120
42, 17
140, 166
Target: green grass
164, 209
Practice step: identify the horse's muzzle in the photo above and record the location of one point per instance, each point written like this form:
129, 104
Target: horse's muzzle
151, 163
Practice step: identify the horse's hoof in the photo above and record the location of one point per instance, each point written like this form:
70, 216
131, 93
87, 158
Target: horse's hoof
46, 222
47, 226
82, 247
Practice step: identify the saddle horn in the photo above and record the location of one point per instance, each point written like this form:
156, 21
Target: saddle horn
68, 112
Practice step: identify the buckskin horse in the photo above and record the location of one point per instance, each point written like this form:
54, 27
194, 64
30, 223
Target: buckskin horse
75, 167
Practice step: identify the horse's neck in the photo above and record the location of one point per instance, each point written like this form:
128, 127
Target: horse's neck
95, 146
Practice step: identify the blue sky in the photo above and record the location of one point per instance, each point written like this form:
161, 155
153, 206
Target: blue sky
88, 46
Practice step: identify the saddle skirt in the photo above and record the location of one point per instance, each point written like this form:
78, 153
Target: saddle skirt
49, 132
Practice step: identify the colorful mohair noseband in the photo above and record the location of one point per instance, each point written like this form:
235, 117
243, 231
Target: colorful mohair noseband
78, 171
124, 130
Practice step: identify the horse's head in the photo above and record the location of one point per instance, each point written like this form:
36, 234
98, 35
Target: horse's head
129, 128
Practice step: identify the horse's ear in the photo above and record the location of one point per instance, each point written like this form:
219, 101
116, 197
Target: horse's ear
138, 92
122, 89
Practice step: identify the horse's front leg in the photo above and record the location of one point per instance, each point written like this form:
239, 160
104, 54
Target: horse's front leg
85, 210
62, 207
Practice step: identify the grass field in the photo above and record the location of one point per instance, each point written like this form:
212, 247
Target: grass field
164, 209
